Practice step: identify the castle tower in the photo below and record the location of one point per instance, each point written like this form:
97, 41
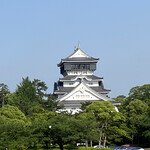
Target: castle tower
79, 84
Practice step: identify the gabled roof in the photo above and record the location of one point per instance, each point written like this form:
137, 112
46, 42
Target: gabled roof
78, 56
78, 53
84, 88
63, 90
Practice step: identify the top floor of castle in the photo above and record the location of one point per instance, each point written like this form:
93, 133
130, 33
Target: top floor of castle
78, 63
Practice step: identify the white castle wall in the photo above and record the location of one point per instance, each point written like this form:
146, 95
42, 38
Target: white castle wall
80, 72
74, 84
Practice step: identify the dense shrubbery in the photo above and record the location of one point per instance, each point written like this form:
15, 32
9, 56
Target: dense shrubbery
28, 120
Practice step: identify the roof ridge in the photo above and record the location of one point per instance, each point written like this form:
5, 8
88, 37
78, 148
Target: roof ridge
76, 50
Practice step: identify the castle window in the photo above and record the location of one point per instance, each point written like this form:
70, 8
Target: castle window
90, 83
70, 83
80, 67
60, 83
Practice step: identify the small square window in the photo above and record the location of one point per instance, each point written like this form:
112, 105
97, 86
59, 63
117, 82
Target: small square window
70, 83
90, 83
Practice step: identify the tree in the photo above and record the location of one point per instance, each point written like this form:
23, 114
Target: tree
135, 112
86, 128
4, 91
40, 134
63, 130
145, 129
13, 128
25, 96
108, 119
40, 88
120, 98
51, 104
84, 105
141, 93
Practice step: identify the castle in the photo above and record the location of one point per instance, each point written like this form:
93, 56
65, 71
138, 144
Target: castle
79, 84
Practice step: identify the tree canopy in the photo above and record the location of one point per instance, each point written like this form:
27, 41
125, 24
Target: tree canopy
4, 91
29, 119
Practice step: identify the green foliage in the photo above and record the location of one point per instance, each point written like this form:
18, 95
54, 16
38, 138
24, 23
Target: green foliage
39, 136
145, 126
51, 104
84, 148
4, 91
84, 105
25, 96
63, 129
135, 109
87, 127
36, 109
120, 98
11, 112
40, 88
135, 113
24, 123
91, 148
141, 93
14, 128
109, 121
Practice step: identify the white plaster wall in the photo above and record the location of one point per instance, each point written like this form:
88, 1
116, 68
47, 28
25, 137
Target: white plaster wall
82, 95
66, 84
80, 72
94, 83
71, 110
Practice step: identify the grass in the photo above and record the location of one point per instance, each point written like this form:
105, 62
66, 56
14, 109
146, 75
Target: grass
75, 148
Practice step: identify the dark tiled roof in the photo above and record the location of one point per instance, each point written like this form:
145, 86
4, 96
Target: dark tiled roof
68, 78
87, 58
76, 103
63, 90
71, 103
79, 59
94, 77
115, 102
100, 89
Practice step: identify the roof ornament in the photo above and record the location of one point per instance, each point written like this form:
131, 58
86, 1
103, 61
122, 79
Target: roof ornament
78, 47
78, 44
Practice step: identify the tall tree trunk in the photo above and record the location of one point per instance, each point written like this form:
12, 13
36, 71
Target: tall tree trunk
91, 143
61, 146
100, 137
86, 144
105, 139
132, 138
46, 144
105, 133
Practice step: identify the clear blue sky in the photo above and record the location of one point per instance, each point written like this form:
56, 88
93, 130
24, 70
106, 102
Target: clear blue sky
36, 34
